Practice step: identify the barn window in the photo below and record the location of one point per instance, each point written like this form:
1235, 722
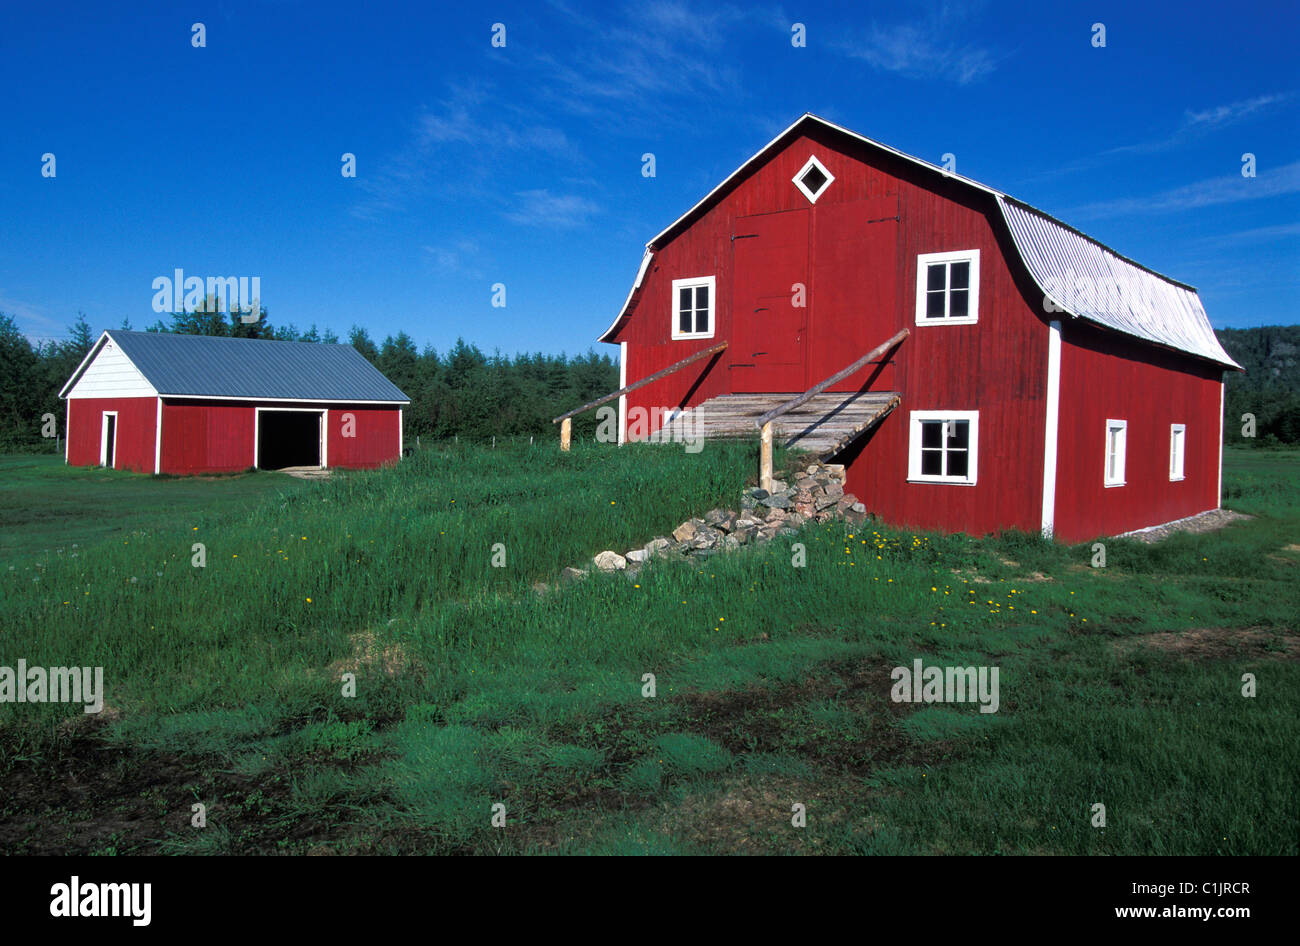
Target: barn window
948, 288
813, 179
943, 447
1177, 448
693, 306
1116, 443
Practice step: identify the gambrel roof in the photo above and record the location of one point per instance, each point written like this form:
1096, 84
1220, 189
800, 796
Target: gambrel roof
1083, 277
204, 366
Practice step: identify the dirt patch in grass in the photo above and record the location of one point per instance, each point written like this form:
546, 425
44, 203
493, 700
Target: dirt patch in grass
86, 797
1219, 643
756, 719
369, 654
753, 815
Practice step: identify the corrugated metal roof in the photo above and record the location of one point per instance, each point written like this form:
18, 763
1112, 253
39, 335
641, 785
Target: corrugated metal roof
1087, 279
206, 366
1135, 300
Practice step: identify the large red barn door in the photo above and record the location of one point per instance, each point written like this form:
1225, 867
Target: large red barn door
770, 255
853, 304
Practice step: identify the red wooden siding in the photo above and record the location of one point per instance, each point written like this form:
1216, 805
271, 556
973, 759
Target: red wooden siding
998, 366
217, 436
863, 237
1105, 376
377, 433
136, 418
207, 436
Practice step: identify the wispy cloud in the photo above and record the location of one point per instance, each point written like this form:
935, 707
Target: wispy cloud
913, 52
934, 47
470, 121
1228, 189
1222, 115
647, 53
455, 257
1197, 123
541, 208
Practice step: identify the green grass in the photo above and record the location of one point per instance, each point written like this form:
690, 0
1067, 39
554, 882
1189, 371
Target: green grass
772, 681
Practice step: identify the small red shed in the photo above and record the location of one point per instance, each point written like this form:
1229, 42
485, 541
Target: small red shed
1048, 383
155, 402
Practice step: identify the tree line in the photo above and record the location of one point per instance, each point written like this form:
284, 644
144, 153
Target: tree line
468, 394
463, 392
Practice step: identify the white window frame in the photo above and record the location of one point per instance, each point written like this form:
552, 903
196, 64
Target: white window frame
914, 474
923, 263
103, 438
693, 283
1177, 452
812, 162
1113, 424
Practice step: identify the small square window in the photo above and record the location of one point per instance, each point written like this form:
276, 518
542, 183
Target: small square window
693, 303
943, 447
813, 179
947, 288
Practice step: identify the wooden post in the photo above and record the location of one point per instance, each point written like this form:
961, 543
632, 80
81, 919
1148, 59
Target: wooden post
765, 458
566, 433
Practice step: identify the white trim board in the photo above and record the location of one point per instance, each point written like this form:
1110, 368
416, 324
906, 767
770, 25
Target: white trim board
1218, 496
281, 400
622, 398
157, 440
1051, 427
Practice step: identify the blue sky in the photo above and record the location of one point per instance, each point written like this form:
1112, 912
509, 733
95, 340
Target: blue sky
522, 165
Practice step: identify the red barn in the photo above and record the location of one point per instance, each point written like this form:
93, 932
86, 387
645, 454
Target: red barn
160, 403
1045, 381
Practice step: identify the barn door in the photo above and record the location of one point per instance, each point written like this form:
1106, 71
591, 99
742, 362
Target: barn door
854, 306
769, 255
108, 439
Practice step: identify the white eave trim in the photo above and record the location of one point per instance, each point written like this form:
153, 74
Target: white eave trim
640, 276
278, 400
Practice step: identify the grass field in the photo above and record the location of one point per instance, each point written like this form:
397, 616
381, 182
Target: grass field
1120, 686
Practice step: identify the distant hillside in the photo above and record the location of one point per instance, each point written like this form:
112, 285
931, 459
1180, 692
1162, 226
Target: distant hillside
1270, 388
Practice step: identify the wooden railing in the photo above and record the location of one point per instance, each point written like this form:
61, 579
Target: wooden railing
566, 420
765, 422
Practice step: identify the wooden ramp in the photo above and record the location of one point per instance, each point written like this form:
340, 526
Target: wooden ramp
824, 425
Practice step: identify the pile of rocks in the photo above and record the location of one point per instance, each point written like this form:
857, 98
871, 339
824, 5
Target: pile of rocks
815, 495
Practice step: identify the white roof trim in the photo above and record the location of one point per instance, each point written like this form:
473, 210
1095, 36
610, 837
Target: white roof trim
1176, 319
276, 400
640, 275
1086, 279
85, 363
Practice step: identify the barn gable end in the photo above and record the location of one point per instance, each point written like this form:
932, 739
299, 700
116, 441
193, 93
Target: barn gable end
107, 372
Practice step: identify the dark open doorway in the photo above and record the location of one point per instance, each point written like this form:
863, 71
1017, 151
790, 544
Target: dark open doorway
108, 440
288, 438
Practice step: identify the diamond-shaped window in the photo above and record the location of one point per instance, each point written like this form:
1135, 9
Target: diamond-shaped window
813, 179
